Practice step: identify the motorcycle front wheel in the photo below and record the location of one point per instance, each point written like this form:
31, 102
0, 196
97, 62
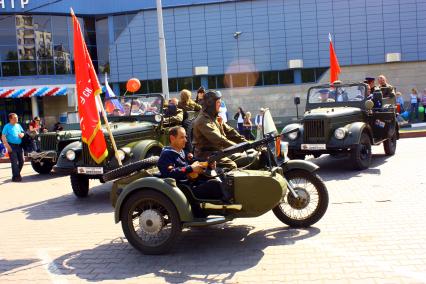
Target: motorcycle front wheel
311, 203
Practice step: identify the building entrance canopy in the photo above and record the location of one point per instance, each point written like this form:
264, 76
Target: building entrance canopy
17, 93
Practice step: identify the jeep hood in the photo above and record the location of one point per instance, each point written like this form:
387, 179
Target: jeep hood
332, 112
69, 134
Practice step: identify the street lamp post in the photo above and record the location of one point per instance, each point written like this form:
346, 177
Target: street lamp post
162, 44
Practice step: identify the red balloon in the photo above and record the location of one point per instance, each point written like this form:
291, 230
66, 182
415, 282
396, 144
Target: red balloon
133, 85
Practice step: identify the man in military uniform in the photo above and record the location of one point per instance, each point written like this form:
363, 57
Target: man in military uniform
211, 134
172, 114
372, 87
388, 90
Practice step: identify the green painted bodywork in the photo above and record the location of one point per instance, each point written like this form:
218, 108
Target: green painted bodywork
166, 186
257, 191
352, 116
299, 164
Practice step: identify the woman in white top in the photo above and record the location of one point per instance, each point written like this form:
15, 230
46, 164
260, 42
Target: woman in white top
414, 101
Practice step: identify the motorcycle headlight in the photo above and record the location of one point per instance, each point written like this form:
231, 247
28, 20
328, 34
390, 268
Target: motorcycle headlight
70, 155
121, 154
340, 133
293, 135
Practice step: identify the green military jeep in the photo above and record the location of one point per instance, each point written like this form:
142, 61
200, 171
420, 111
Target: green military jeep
342, 119
51, 145
139, 130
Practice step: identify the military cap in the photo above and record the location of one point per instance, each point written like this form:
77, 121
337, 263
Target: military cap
369, 79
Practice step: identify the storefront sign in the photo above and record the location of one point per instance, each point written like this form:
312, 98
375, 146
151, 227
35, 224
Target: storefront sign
13, 3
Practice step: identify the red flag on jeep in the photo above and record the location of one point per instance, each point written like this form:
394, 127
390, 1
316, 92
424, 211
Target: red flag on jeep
88, 87
334, 63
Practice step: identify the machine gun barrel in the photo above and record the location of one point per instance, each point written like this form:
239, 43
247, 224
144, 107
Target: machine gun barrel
240, 148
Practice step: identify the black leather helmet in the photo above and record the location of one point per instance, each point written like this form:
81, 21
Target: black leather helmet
209, 102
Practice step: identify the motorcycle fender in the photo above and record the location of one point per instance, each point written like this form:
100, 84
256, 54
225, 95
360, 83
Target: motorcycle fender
299, 164
140, 149
166, 187
354, 133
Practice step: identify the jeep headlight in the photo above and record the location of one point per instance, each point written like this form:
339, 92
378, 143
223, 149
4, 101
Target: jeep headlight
121, 154
293, 135
340, 133
70, 155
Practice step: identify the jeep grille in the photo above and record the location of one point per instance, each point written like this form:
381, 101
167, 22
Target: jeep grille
48, 141
314, 131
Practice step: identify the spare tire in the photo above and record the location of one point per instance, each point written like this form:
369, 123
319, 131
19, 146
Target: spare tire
130, 168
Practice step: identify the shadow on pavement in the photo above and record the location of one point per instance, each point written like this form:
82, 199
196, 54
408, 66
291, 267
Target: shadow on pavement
200, 254
338, 168
8, 265
97, 202
33, 177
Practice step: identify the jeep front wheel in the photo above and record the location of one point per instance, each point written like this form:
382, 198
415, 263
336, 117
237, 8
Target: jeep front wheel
80, 185
390, 145
361, 153
42, 167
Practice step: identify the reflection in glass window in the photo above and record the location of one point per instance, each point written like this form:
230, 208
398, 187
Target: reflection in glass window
185, 83
173, 85
28, 68
89, 24
102, 44
60, 37
90, 38
308, 75
10, 68
45, 68
120, 23
133, 106
8, 53
286, 77
63, 63
154, 86
44, 45
42, 23
220, 81
239, 80
270, 78
59, 23
338, 95
7, 22
211, 82
7, 37
196, 83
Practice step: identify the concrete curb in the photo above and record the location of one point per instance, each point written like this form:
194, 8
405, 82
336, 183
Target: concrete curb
412, 134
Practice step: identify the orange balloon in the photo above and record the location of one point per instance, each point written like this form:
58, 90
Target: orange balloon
133, 85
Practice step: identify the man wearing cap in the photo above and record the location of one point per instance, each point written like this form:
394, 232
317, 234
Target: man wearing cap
324, 93
172, 114
372, 87
211, 134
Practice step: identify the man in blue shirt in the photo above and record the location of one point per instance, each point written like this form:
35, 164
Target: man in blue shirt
175, 163
12, 135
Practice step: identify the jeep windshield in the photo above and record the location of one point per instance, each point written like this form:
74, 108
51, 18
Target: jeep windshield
133, 108
339, 95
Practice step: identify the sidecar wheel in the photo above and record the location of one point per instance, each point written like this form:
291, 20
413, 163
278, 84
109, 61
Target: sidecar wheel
150, 222
311, 204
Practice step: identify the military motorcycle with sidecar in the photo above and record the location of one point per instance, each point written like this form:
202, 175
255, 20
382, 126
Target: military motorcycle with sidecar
154, 210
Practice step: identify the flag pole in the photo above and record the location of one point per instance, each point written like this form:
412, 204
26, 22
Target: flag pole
111, 137
114, 146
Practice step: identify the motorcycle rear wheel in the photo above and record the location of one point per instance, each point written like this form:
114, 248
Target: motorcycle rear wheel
311, 189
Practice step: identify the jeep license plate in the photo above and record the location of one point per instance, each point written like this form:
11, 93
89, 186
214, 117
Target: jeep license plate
313, 147
90, 170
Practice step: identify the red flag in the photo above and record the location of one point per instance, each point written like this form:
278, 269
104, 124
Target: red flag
88, 88
334, 63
